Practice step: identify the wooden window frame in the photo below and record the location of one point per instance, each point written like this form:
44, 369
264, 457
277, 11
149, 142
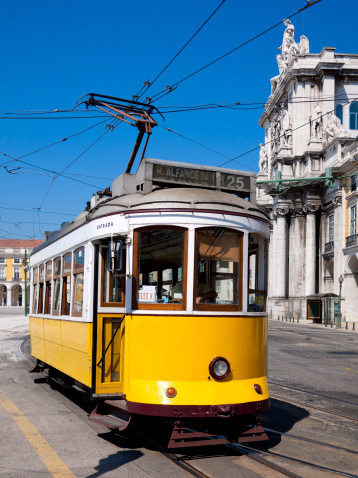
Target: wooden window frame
34, 288
165, 306
220, 307
255, 291
64, 276
41, 283
54, 278
103, 260
47, 281
79, 270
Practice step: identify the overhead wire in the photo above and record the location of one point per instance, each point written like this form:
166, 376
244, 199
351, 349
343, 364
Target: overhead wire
49, 145
72, 162
310, 4
281, 136
149, 84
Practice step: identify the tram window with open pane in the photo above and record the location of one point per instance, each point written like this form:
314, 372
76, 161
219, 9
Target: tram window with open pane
218, 269
41, 288
257, 274
66, 284
160, 262
35, 289
113, 283
78, 279
48, 286
56, 286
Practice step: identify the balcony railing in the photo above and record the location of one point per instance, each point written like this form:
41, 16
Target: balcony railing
16, 278
329, 247
351, 240
2, 279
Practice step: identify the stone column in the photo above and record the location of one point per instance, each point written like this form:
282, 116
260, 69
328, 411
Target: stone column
310, 250
280, 234
297, 269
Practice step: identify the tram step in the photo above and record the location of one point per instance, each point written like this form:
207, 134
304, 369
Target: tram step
112, 415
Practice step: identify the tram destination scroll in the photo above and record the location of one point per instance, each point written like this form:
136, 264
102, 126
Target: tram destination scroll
183, 175
200, 177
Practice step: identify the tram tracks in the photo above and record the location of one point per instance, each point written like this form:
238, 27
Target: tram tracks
270, 459
303, 403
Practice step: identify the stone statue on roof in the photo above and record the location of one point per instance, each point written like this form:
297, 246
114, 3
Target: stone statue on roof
289, 51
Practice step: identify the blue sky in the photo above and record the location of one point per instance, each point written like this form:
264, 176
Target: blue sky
54, 52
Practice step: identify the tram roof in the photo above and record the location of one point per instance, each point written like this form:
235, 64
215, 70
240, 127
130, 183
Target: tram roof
183, 199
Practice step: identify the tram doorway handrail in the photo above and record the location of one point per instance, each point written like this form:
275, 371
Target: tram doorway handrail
104, 353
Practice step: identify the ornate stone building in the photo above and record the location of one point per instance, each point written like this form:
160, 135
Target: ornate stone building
311, 145
12, 274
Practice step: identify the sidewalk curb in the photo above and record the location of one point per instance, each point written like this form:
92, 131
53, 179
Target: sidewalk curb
352, 326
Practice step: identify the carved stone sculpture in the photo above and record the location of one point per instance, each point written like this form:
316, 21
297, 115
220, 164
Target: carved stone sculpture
289, 51
316, 122
263, 159
333, 128
286, 127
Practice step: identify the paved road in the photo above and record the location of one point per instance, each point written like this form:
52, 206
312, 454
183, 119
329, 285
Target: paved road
46, 435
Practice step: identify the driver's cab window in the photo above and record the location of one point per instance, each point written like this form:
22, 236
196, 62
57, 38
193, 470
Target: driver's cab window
160, 264
218, 272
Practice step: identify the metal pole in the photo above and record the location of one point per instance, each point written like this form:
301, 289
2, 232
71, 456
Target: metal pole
339, 313
25, 294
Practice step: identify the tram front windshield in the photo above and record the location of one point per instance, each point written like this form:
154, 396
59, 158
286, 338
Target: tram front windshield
161, 254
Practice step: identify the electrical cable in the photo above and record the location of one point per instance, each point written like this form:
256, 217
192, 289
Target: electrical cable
281, 136
310, 4
72, 162
202, 145
149, 84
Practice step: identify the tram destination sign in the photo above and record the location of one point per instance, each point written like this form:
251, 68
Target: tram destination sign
179, 174
201, 177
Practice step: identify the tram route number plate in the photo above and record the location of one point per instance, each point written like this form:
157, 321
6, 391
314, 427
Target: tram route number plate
236, 182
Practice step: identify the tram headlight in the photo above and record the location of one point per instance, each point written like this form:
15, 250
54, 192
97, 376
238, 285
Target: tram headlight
219, 368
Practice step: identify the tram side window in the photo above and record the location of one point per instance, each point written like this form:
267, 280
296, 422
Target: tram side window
56, 286
161, 262
66, 285
257, 274
41, 288
218, 269
35, 289
78, 276
113, 284
48, 285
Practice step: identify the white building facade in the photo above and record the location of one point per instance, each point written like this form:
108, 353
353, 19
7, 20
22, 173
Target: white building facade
311, 145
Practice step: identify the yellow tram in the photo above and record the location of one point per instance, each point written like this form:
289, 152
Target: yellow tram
153, 300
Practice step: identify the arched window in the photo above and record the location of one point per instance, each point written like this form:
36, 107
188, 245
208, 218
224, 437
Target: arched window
339, 112
353, 115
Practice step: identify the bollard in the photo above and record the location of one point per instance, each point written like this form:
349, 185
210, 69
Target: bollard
354, 326
331, 325
278, 317
298, 320
293, 319
286, 318
346, 325
289, 319
282, 318
325, 324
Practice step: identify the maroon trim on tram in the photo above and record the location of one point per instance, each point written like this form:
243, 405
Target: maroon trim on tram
198, 411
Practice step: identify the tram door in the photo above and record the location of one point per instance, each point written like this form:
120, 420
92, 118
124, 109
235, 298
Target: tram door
110, 327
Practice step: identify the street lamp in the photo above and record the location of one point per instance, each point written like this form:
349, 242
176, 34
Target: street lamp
24, 262
339, 313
